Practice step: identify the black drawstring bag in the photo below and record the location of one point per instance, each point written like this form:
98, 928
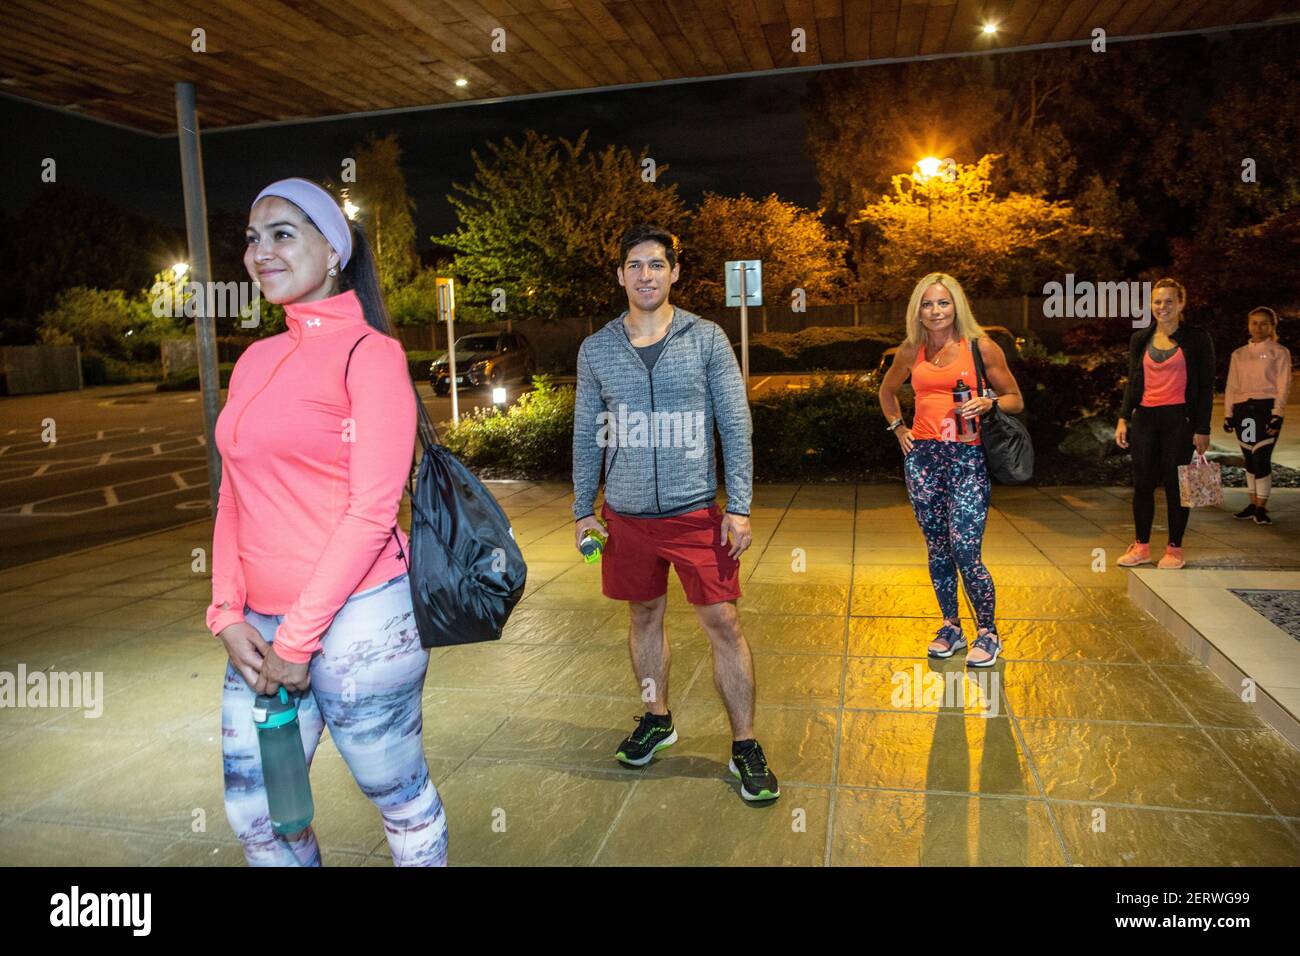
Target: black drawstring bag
1008, 452
465, 570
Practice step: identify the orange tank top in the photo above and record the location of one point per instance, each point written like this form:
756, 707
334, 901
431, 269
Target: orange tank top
936, 415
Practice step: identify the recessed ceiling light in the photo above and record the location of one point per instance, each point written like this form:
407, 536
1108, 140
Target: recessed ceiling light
990, 28
462, 82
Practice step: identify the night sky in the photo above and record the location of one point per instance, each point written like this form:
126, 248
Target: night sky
725, 136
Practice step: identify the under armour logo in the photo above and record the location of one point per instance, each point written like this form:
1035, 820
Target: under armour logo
311, 322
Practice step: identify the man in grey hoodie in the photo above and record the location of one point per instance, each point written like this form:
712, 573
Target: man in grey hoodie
652, 384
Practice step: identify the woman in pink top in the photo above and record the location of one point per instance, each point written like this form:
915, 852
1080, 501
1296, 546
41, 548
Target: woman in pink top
309, 587
1165, 417
1259, 382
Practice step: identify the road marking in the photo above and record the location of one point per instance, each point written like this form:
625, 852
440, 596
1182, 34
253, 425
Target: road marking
42, 446
111, 497
121, 456
762, 383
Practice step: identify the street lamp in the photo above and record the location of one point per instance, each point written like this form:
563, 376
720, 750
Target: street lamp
926, 170
179, 270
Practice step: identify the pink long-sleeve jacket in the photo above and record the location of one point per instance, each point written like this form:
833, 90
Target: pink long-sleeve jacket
312, 473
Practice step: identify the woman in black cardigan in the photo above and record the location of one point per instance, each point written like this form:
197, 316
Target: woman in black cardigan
1165, 415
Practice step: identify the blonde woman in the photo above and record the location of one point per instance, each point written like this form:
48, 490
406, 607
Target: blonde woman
1259, 381
1165, 415
943, 460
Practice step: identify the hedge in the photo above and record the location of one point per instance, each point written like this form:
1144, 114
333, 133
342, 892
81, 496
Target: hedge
187, 379
829, 348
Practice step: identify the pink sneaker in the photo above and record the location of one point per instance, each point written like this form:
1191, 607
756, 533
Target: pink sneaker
1137, 553
1173, 558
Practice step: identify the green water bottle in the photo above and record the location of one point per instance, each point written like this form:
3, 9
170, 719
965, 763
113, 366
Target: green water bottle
284, 764
592, 544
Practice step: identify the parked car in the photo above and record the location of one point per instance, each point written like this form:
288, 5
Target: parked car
485, 360
1010, 342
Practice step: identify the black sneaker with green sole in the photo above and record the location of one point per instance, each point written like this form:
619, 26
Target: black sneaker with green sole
757, 781
653, 734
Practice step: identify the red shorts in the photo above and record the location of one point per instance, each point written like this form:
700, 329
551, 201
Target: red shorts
634, 566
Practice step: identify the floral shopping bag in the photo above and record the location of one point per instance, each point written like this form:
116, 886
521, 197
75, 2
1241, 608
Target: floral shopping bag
1200, 484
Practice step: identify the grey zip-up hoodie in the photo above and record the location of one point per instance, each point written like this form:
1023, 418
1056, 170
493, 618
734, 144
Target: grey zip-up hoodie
653, 430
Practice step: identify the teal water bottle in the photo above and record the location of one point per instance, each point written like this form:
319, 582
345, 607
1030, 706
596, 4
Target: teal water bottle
284, 765
591, 546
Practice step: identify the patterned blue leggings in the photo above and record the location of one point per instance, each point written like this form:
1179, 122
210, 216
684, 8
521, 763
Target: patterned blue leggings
366, 684
949, 487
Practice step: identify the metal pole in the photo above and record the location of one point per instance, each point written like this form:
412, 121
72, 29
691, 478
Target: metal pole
196, 228
447, 303
744, 329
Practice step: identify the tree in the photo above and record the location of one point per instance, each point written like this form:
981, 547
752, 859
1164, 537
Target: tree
380, 193
70, 237
542, 221
1253, 121
1229, 275
1059, 118
996, 246
101, 322
796, 248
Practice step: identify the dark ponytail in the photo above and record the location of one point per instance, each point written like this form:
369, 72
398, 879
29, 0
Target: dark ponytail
361, 275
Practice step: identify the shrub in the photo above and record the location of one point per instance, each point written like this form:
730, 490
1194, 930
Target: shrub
834, 425
1094, 336
1058, 391
414, 302
532, 439
831, 348
187, 379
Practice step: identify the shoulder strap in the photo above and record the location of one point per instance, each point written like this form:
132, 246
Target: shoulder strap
348, 364
427, 431
980, 378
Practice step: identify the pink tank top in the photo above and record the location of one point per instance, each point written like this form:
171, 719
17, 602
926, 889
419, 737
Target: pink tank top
1164, 383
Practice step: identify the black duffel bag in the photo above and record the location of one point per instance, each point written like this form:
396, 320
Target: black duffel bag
1008, 452
465, 569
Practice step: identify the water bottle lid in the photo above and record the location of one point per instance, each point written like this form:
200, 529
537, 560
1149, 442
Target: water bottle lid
269, 712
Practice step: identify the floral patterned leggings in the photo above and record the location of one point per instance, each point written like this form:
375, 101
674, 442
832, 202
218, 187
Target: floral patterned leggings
949, 487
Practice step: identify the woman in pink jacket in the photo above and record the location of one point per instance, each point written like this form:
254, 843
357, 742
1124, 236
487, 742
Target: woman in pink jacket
1254, 402
309, 587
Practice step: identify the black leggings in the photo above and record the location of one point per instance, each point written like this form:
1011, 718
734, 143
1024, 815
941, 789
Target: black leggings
1160, 439
1259, 454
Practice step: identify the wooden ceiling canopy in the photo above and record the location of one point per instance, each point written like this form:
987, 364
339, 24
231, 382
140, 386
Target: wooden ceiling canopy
268, 61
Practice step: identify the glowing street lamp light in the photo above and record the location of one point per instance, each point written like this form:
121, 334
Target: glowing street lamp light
926, 170
179, 270
929, 167
350, 208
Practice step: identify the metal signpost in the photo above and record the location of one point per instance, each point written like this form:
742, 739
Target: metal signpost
744, 283
447, 309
